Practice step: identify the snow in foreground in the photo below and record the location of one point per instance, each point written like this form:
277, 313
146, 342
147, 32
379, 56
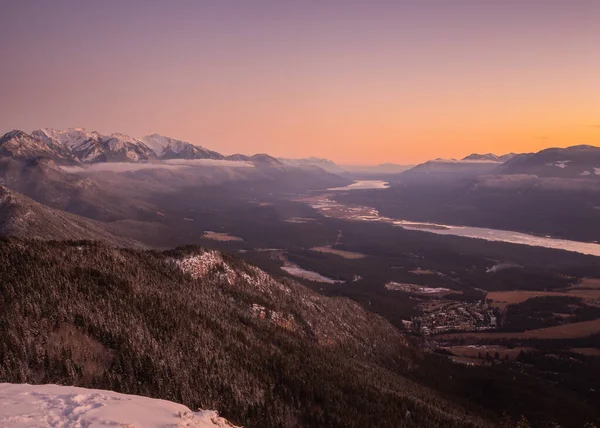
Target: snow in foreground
23, 405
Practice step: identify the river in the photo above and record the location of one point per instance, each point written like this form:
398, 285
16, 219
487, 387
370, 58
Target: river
330, 208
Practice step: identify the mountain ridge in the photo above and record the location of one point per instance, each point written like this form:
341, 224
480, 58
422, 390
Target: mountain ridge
79, 146
22, 217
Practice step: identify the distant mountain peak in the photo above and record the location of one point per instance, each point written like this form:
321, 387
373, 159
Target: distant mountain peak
17, 143
490, 157
265, 159
15, 133
171, 148
570, 162
238, 157
483, 157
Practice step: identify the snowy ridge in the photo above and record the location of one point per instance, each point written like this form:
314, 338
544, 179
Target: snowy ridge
314, 316
170, 148
23, 405
212, 263
19, 144
89, 147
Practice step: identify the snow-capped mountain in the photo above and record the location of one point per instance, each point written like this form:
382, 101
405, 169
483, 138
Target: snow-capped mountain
79, 146
18, 144
479, 157
170, 148
491, 157
470, 166
326, 164
91, 147
23, 405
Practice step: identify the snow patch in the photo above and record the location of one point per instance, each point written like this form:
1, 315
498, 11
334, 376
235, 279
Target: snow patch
502, 266
559, 164
199, 265
212, 263
68, 406
415, 288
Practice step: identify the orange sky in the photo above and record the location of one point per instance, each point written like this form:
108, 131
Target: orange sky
354, 81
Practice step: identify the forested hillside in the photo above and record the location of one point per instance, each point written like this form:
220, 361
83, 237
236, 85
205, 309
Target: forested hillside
209, 331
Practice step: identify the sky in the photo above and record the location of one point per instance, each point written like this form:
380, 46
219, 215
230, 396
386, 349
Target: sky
358, 82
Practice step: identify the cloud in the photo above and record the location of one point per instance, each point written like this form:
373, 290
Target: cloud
119, 167
209, 162
172, 164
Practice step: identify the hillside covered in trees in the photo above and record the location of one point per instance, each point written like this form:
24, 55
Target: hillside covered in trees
206, 330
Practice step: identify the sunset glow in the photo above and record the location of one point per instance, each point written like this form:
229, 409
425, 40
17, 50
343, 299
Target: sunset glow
359, 82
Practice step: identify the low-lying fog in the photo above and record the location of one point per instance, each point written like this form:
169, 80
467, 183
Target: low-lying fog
167, 164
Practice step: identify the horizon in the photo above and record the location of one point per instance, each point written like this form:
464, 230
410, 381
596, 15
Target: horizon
358, 164
362, 84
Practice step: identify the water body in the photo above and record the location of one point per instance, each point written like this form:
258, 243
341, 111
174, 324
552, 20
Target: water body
330, 208
363, 185
504, 236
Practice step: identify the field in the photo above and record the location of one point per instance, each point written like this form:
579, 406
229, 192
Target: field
420, 289
565, 331
592, 352
218, 236
345, 254
501, 299
587, 283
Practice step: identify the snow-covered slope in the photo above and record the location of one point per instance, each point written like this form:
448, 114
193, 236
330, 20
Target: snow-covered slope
20, 145
90, 147
326, 164
72, 138
491, 157
170, 148
23, 405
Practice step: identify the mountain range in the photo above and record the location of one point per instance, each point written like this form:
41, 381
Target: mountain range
79, 146
76, 146
581, 161
571, 162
